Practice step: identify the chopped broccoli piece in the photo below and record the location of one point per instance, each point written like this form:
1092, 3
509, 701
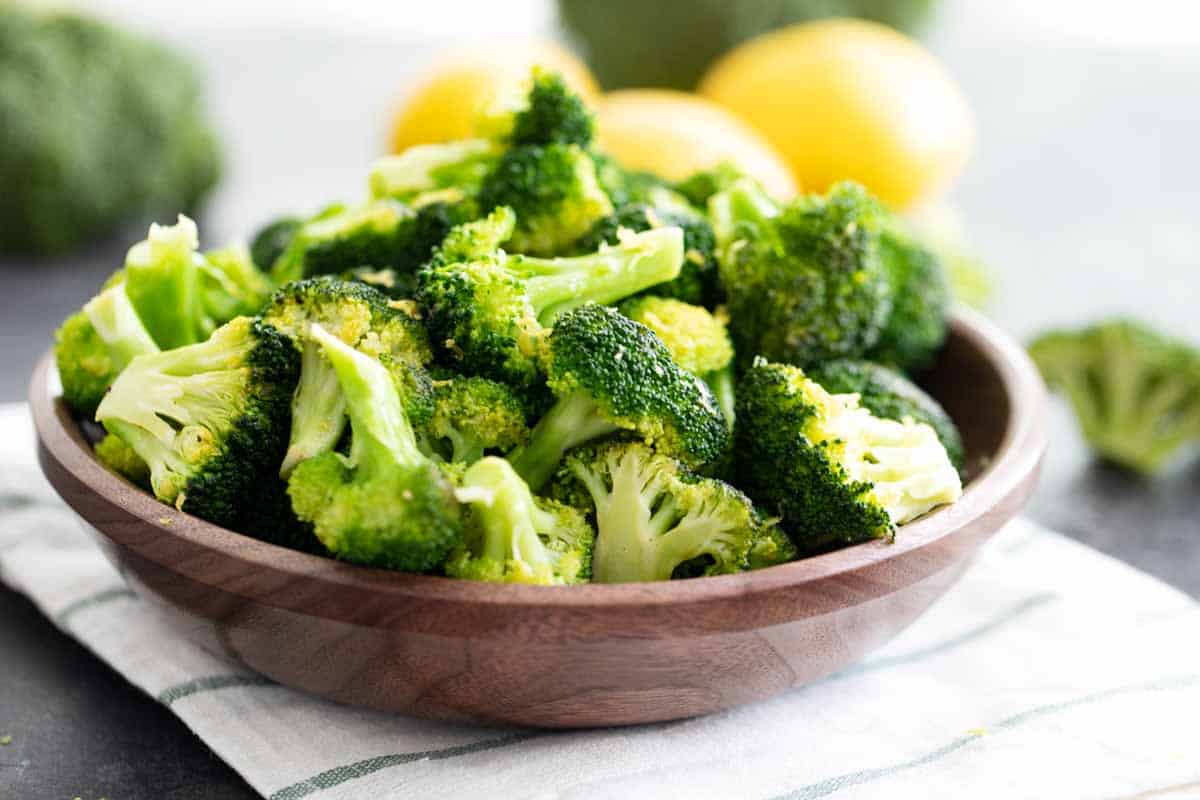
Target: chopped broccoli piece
652, 516
487, 314
95, 344
163, 276
362, 318
697, 280
553, 190
121, 459
386, 504
700, 186
272, 239
471, 416
611, 374
804, 283
552, 114
232, 286
696, 338
834, 472
1135, 392
890, 395
916, 328
459, 166
514, 537
210, 419
630, 187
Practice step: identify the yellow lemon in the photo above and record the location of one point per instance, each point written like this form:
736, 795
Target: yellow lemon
444, 105
674, 134
850, 99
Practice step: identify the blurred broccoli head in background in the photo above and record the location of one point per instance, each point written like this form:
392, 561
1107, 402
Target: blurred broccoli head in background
97, 128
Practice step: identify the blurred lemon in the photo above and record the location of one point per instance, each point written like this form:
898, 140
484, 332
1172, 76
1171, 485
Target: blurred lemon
850, 99
444, 106
675, 134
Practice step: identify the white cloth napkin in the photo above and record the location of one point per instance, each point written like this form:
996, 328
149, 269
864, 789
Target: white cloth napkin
1050, 670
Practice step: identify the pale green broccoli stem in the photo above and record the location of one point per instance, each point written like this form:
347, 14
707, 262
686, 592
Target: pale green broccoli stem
118, 325
318, 410
463, 449
613, 273
162, 276
431, 166
570, 422
743, 203
383, 437
504, 507
721, 382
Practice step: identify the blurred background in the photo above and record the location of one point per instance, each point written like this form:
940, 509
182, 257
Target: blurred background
1079, 197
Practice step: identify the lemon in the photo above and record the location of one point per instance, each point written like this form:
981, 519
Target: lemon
850, 99
445, 104
674, 134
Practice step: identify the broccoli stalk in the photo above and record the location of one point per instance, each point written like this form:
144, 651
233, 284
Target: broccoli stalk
386, 504
163, 277
610, 374
516, 538
427, 168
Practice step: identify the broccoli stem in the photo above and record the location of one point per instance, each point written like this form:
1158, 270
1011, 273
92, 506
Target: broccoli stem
318, 410
570, 422
509, 517
721, 383
118, 325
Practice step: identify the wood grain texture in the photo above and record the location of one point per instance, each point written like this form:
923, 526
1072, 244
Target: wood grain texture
562, 656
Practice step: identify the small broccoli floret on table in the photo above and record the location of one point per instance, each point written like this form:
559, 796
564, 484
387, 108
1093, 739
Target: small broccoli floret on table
209, 419
121, 459
457, 166
804, 282
653, 516
697, 280
916, 328
1135, 392
834, 472
696, 338
386, 504
514, 537
362, 318
553, 190
611, 374
95, 344
889, 395
472, 415
487, 314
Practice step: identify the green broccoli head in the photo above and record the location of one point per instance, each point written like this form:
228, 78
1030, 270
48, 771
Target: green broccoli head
889, 395
363, 318
471, 416
514, 537
209, 419
552, 114
553, 190
697, 281
611, 374
452, 169
486, 315
100, 128
804, 283
271, 240
386, 504
1135, 392
916, 328
95, 344
653, 516
475, 240
699, 187
834, 472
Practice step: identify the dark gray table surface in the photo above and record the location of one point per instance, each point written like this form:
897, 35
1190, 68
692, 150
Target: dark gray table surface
1083, 197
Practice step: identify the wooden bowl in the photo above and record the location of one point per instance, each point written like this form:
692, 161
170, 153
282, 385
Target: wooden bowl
562, 656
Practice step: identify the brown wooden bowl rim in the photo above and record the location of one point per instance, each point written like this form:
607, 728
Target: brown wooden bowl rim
1016, 459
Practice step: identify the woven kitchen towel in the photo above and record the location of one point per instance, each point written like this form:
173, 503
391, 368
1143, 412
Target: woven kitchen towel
1049, 671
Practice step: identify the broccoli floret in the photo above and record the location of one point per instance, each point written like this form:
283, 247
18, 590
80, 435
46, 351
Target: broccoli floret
611, 374
696, 338
514, 537
700, 186
487, 314
471, 416
475, 240
210, 419
630, 187
552, 113
121, 459
889, 395
386, 504
95, 344
98, 128
653, 515
916, 328
834, 472
272, 239
165, 280
459, 167
231, 284
1135, 392
362, 318
697, 281
804, 283
554, 192
369, 235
